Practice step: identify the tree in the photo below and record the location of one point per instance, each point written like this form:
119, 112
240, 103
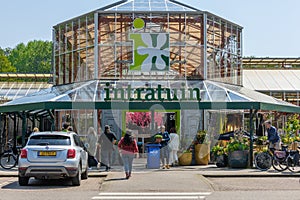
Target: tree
5, 65
35, 57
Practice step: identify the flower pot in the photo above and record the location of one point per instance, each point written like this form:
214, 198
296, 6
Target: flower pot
158, 140
222, 160
202, 154
238, 159
185, 158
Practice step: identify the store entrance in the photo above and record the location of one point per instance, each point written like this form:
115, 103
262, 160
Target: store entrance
145, 124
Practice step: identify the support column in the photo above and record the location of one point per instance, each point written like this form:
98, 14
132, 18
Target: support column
15, 131
23, 128
152, 122
52, 119
251, 135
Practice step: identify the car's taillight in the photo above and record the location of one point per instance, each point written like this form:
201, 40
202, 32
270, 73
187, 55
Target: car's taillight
23, 153
71, 153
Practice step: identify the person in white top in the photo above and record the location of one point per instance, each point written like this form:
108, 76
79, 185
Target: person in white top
173, 146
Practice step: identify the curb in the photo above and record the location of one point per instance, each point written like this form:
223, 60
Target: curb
248, 175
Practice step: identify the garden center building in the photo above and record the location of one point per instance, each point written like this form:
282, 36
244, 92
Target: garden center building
157, 56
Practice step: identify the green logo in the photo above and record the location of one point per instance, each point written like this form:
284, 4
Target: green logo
138, 23
151, 51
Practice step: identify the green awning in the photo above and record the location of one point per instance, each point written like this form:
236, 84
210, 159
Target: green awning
179, 94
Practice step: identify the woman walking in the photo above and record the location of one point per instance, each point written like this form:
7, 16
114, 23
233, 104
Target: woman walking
128, 148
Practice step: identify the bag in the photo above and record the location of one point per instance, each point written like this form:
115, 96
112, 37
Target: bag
280, 154
92, 161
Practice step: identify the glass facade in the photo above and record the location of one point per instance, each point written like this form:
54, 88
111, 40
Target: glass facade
14, 90
102, 44
224, 50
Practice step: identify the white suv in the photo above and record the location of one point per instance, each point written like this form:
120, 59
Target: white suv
53, 155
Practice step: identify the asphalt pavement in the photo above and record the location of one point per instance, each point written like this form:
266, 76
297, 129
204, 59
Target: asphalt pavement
181, 179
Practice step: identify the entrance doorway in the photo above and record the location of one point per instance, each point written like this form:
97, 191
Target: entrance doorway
145, 124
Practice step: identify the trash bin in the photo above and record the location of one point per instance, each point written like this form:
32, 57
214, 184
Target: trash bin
153, 156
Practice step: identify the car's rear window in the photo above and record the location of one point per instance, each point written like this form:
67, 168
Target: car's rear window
49, 140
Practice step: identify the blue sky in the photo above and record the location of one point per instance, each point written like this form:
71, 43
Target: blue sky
271, 27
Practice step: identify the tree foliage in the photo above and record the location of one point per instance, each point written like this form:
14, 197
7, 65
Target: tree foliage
34, 57
5, 65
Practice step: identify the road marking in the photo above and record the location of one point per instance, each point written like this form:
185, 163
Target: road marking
153, 195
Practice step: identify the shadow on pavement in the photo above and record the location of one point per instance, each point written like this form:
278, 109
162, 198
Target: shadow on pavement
39, 184
115, 179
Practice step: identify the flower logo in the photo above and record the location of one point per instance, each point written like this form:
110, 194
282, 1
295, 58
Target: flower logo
151, 51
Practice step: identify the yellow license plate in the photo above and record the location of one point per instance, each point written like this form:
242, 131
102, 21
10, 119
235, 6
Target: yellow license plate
47, 153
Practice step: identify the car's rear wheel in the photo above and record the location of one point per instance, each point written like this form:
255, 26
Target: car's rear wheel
23, 181
77, 179
85, 174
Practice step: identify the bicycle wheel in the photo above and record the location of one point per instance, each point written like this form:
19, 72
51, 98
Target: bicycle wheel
279, 165
294, 164
8, 160
263, 161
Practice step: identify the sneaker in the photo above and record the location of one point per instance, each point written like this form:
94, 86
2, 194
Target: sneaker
164, 167
168, 166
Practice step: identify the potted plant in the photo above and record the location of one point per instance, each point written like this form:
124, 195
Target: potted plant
202, 148
186, 157
220, 154
291, 136
238, 151
260, 143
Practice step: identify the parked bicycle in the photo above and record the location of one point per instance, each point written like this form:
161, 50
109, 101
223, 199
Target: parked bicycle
276, 158
294, 161
9, 158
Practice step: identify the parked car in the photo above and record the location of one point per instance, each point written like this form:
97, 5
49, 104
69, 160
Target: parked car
53, 155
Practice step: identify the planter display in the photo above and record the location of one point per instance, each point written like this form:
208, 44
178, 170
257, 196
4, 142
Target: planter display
238, 159
185, 158
260, 148
202, 154
222, 160
294, 146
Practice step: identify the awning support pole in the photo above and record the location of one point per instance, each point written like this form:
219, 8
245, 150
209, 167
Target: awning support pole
52, 119
252, 115
152, 122
15, 130
23, 128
